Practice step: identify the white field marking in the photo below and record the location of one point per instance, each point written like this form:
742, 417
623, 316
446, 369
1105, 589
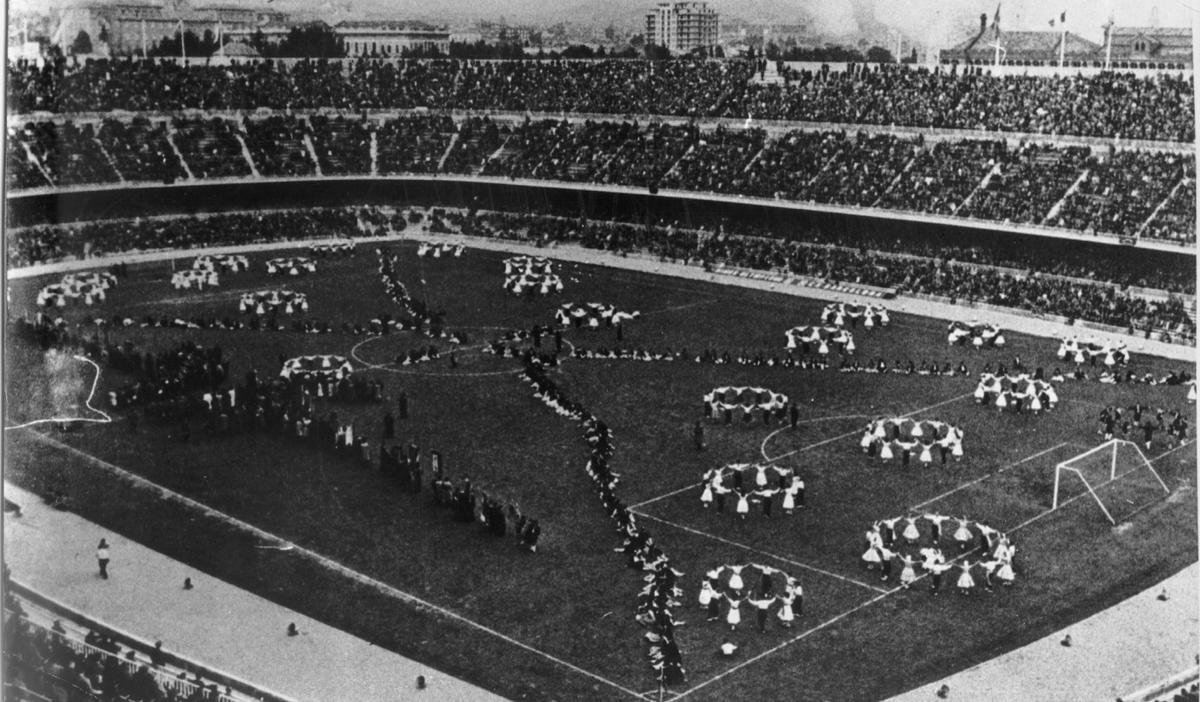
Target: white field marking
806, 448
387, 366
877, 598
87, 403
763, 447
768, 554
794, 639
981, 478
324, 561
1036, 517
852, 433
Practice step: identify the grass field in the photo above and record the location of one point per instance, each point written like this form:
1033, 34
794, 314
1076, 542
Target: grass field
574, 599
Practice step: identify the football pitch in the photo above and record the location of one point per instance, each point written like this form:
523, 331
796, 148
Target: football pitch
390, 566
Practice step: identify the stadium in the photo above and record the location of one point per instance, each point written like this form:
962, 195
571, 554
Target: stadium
588, 380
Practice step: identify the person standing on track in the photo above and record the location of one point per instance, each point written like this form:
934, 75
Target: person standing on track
102, 558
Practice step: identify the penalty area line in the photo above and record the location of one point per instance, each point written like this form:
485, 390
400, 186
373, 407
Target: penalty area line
329, 563
783, 559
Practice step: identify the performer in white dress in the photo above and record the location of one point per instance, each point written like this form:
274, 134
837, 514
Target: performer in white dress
911, 533
707, 593
743, 504
735, 580
874, 543
963, 534
908, 574
734, 616
965, 581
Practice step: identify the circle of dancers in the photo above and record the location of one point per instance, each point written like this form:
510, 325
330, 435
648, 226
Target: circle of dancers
87, 287
822, 338
270, 301
901, 437
198, 278
993, 552
1016, 391
342, 247
591, 315
221, 263
724, 401
532, 274
322, 367
430, 249
977, 334
291, 265
841, 314
752, 483
1087, 351
752, 584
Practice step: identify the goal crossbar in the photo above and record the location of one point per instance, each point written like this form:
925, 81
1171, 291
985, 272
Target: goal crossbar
1112, 446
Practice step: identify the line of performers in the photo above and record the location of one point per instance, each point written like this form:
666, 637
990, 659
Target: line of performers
1015, 392
757, 490
976, 333
1087, 351
888, 438
993, 549
840, 314
657, 599
724, 401
726, 585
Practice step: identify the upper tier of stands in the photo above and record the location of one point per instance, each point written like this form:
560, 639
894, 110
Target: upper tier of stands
1108, 105
1128, 193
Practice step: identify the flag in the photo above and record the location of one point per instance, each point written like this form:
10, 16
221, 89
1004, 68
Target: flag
996, 21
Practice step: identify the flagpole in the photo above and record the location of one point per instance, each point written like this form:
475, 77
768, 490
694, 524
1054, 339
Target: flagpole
1062, 45
143, 40
182, 44
1108, 43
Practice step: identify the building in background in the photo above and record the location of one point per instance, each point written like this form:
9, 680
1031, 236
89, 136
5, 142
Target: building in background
682, 27
123, 28
1024, 48
1152, 45
384, 38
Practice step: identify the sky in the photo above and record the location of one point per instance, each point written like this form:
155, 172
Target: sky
938, 22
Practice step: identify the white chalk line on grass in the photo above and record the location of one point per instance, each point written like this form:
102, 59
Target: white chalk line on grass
886, 593
781, 646
1036, 517
981, 478
388, 366
763, 446
768, 554
823, 442
87, 403
325, 561
852, 433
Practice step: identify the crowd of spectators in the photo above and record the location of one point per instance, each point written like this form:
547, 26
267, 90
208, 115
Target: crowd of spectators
1047, 277
47, 662
139, 150
1108, 104
1031, 289
43, 244
1068, 187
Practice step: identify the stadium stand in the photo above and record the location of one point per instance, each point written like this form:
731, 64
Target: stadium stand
140, 151
210, 148
1116, 193
1150, 108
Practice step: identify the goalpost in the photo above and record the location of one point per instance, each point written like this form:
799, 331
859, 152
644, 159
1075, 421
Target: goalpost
1105, 464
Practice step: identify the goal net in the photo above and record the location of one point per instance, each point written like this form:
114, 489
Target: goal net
1115, 474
